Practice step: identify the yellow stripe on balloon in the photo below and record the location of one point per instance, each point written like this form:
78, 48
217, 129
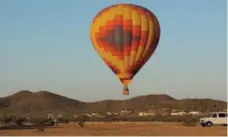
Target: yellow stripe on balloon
127, 15
135, 21
144, 27
150, 38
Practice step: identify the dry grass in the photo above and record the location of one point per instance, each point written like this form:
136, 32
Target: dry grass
123, 128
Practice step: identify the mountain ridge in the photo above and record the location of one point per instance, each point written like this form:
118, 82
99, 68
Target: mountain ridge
45, 102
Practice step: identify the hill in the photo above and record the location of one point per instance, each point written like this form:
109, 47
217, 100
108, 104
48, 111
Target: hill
44, 102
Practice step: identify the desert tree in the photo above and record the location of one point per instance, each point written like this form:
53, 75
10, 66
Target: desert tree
20, 121
40, 122
7, 117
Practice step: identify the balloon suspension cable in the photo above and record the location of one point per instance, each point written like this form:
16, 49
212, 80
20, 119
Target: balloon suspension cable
125, 90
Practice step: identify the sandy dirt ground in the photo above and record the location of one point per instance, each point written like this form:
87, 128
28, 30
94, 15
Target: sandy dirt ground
121, 129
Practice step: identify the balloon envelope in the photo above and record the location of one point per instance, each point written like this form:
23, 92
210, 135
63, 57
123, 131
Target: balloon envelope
125, 36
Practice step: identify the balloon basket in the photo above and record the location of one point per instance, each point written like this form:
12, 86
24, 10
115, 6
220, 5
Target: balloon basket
125, 91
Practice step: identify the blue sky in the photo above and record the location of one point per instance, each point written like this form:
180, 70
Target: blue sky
45, 45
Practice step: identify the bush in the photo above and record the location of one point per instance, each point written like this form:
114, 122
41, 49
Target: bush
63, 120
39, 120
7, 119
149, 118
190, 121
112, 118
133, 118
20, 120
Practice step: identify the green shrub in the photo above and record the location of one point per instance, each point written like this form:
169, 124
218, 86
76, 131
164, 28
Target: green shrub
190, 121
64, 120
38, 120
19, 121
7, 119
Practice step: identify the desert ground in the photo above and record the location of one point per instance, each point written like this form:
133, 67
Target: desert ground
122, 128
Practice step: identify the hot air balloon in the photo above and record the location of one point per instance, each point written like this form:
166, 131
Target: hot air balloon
125, 36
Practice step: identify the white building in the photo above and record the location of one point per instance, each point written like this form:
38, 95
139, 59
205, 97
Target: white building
194, 113
146, 114
182, 113
111, 113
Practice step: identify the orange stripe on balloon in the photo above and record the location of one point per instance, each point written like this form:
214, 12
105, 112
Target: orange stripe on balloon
127, 24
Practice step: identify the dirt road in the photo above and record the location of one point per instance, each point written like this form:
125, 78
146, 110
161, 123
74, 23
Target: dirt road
130, 129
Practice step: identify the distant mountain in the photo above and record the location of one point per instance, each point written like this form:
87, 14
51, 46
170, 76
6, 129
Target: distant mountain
44, 102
